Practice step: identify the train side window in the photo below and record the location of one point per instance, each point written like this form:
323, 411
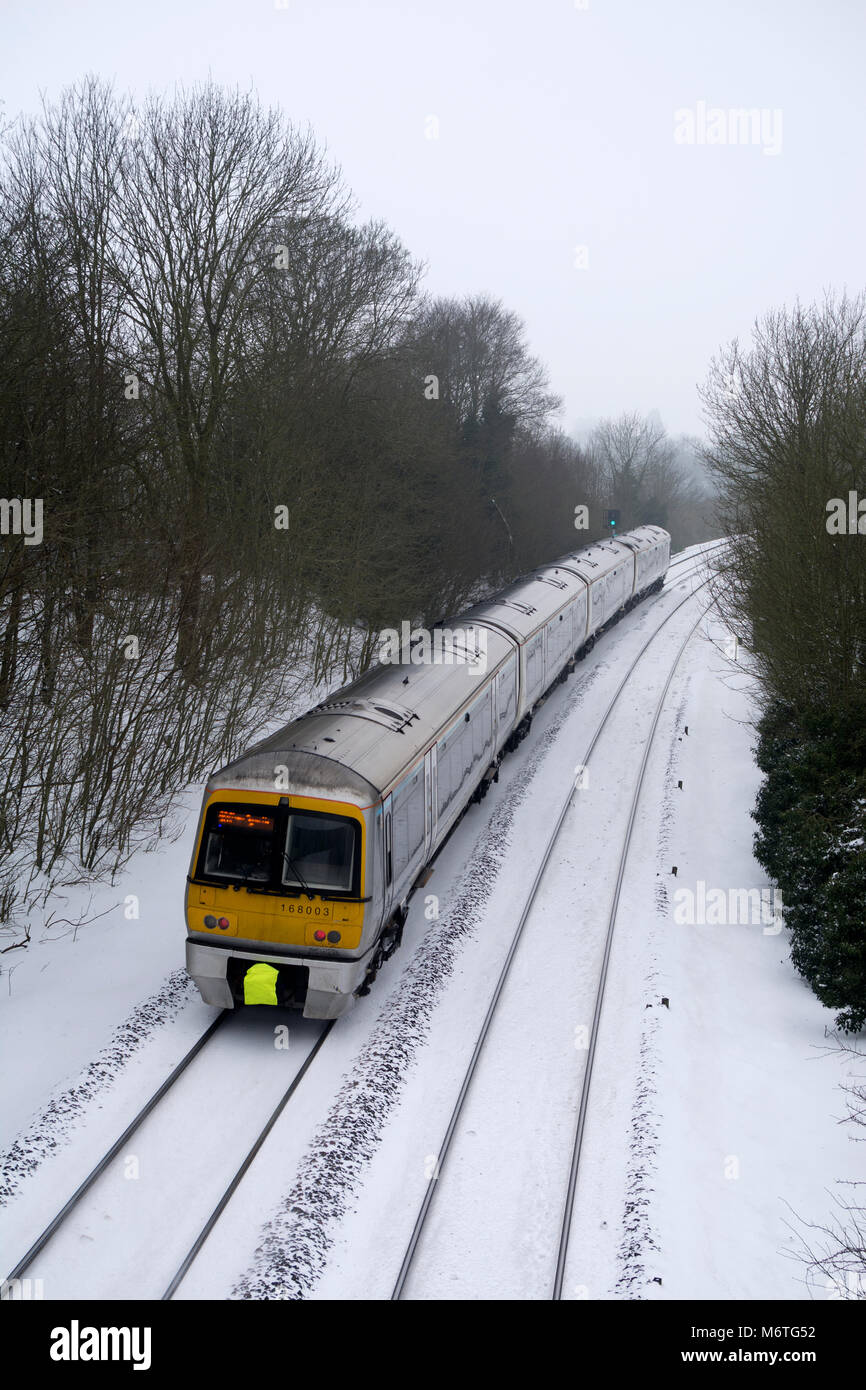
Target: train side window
481, 725
508, 691
443, 775
467, 735
407, 832
534, 658
450, 772
388, 847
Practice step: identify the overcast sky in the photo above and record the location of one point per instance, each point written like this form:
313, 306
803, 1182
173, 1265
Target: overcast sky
499, 138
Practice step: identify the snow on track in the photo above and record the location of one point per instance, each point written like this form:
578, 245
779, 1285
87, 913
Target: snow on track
132, 1229
52, 1127
495, 1228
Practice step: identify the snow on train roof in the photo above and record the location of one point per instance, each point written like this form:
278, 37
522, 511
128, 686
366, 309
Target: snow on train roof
361, 738
649, 535
593, 561
528, 602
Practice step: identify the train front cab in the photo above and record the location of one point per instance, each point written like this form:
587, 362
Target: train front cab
276, 902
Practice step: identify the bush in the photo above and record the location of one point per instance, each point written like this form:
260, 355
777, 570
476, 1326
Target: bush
811, 814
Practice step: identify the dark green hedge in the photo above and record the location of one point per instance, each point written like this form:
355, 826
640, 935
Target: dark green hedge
811, 814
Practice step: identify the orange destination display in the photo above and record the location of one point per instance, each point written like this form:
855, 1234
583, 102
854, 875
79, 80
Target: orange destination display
242, 820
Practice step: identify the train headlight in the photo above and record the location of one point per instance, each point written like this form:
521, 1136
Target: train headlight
334, 937
210, 921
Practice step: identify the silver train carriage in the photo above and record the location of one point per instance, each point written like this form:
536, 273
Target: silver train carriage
310, 844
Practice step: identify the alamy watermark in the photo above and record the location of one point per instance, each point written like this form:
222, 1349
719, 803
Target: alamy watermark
22, 516
722, 907
734, 125
846, 519
77, 1343
439, 646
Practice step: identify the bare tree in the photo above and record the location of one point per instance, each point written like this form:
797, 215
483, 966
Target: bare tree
478, 351
788, 417
834, 1252
204, 182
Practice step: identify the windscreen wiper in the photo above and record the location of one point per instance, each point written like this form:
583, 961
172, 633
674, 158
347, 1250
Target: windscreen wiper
298, 875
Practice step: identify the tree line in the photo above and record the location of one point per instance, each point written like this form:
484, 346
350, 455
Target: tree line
788, 452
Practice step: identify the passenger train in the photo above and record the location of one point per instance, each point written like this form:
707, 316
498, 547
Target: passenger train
310, 845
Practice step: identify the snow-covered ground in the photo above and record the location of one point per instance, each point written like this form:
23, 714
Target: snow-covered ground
713, 1118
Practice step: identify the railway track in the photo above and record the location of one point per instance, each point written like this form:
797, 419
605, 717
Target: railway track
696, 555
565, 1232
117, 1147
149, 1109
195, 1248
433, 1186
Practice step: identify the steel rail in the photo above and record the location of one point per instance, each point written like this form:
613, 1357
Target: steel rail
224, 1200
565, 1229
42, 1240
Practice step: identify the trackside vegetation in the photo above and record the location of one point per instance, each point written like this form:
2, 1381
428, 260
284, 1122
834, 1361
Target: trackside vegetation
788, 416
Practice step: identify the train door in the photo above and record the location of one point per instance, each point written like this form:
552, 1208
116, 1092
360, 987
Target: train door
430, 801
506, 711
387, 853
596, 605
581, 617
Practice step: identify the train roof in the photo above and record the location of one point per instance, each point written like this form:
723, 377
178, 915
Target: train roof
528, 602
591, 562
644, 537
357, 742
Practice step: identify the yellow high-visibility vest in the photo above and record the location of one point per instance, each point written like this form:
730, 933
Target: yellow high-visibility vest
260, 984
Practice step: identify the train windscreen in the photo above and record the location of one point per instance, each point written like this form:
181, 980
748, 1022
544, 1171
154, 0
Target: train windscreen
319, 853
239, 845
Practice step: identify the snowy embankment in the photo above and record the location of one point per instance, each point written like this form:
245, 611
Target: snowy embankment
712, 1116
747, 1079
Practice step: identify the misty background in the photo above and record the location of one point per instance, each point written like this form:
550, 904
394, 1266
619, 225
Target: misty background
555, 131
